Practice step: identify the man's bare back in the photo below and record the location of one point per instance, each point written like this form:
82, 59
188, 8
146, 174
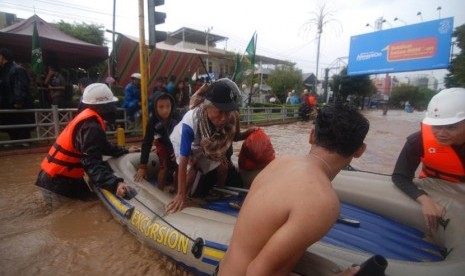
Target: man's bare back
290, 206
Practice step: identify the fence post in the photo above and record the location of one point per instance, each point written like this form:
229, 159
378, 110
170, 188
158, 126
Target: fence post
56, 120
36, 121
249, 117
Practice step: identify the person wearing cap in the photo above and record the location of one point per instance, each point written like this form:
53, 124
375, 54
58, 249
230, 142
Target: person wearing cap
79, 149
132, 98
440, 147
202, 138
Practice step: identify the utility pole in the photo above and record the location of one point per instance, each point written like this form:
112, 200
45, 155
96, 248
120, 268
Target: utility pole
143, 67
207, 45
112, 72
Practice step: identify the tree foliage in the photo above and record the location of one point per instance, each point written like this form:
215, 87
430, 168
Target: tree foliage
90, 33
283, 79
417, 97
356, 86
456, 75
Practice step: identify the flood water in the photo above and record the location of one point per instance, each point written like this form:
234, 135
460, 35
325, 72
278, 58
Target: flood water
81, 237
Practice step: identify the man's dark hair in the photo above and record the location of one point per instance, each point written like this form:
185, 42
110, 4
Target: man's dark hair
340, 129
6, 54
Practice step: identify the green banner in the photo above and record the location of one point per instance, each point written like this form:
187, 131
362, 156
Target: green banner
37, 62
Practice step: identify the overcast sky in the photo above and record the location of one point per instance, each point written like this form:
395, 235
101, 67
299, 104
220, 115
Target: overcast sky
280, 25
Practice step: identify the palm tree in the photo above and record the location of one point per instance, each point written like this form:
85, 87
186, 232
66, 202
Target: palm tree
320, 18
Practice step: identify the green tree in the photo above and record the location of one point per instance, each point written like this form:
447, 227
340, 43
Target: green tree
456, 75
90, 33
357, 86
417, 97
283, 79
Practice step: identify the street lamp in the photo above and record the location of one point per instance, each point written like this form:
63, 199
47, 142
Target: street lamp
439, 12
419, 14
369, 25
398, 19
385, 21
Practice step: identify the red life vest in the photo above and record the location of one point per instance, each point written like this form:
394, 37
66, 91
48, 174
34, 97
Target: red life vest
440, 161
62, 158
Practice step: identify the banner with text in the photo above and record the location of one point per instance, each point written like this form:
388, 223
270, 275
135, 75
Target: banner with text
423, 46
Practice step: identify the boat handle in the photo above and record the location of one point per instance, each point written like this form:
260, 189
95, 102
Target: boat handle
443, 222
197, 248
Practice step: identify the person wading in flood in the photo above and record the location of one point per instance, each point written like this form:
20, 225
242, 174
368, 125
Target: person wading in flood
79, 149
440, 147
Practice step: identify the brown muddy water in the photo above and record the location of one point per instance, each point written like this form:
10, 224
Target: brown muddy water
82, 238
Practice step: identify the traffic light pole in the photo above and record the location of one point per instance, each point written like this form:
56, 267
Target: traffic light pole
143, 67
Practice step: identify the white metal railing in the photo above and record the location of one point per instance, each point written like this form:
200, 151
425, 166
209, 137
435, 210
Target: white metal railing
49, 122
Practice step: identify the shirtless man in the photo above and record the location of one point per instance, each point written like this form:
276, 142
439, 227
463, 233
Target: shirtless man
291, 203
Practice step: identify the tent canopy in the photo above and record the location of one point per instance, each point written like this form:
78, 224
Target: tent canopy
164, 61
57, 47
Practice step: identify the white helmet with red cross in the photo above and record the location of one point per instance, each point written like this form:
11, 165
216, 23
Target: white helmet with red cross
446, 108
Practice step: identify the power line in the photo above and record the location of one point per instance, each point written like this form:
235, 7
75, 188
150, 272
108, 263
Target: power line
83, 13
64, 13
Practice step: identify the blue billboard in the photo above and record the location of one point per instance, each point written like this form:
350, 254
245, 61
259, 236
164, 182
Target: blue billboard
423, 46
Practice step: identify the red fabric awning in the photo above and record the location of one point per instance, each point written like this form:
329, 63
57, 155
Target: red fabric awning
165, 61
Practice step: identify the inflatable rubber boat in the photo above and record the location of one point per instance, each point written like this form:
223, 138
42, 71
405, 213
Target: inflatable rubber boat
376, 218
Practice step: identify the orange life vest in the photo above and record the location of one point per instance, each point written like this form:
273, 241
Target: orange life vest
440, 161
311, 100
62, 158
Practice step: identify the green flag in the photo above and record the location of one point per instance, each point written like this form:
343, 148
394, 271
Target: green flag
37, 63
238, 71
250, 50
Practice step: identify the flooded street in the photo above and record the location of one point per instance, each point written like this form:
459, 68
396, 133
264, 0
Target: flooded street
82, 237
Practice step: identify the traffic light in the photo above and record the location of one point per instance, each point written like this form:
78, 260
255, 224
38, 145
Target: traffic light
155, 18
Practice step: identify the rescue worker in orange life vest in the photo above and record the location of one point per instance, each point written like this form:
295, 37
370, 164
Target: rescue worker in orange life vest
440, 147
79, 148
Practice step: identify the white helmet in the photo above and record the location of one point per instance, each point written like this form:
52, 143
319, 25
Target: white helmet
135, 76
446, 108
98, 93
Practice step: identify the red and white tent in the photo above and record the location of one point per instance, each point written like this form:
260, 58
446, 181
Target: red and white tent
164, 61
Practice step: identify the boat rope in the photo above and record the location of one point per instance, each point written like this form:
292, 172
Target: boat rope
350, 168
164, 220
197, 247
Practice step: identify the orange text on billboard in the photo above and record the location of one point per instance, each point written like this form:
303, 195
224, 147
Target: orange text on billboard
412, 49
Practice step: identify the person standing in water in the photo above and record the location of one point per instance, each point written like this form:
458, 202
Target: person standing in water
440, 147
79, 149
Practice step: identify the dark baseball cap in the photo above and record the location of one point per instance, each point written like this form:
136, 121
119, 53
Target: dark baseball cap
222, 94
